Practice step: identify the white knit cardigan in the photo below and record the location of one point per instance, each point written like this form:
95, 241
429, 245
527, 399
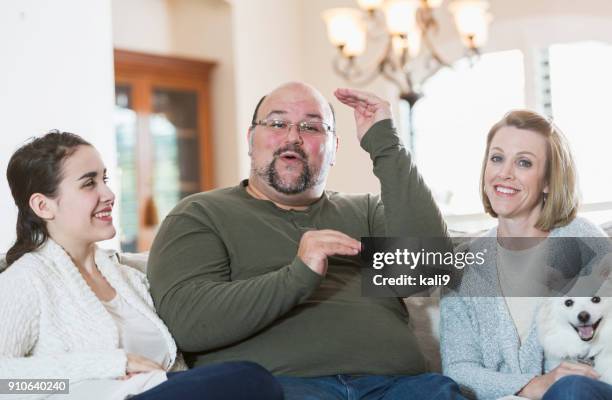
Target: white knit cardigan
52, 325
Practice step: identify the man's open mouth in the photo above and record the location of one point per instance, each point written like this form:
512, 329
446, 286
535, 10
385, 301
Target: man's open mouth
586, 331
290, 155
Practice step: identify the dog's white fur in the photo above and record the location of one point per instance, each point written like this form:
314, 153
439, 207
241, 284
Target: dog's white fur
556, 320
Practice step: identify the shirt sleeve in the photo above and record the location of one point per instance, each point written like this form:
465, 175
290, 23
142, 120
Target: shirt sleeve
409, 208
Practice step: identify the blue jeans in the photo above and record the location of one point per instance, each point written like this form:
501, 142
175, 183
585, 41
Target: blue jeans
226, 381
576, 387
370, 387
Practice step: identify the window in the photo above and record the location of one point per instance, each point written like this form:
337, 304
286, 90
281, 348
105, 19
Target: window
452, 120
462, 103
580, 98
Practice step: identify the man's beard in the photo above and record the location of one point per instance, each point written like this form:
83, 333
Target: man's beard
305, 181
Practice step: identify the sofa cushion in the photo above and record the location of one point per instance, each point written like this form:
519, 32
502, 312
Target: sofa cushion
135, 260
425, 321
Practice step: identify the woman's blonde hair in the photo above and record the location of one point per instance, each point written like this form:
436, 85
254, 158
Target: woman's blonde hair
560, 205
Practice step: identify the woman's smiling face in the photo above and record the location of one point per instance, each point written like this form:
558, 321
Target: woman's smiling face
515, 172
82, 209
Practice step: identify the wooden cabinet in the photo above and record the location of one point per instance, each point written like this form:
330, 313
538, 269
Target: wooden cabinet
163, 130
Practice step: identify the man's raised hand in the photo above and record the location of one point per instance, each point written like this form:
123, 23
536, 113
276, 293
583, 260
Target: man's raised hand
368, 108
316, 246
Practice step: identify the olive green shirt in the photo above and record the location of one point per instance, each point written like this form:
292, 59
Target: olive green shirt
226, 279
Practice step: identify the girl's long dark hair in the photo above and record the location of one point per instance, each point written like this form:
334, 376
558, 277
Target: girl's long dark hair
36, 167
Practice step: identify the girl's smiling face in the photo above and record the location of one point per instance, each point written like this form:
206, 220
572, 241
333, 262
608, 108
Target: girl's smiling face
81, 212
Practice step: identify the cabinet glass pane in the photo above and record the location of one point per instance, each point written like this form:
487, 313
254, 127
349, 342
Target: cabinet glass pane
125, 131
176, 167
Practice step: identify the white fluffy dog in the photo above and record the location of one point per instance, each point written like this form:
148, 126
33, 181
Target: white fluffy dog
577, 329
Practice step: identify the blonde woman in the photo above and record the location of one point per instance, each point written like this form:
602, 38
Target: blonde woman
489, 345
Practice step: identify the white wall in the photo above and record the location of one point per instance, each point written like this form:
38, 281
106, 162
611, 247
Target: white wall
267, 53
142, 25
56, 72
203, 29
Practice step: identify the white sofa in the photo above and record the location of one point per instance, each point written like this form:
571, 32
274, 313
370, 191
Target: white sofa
424, 311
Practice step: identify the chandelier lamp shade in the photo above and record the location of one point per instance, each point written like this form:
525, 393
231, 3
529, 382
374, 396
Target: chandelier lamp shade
406, 29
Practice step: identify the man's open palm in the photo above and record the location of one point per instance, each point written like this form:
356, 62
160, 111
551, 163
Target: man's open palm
368, 108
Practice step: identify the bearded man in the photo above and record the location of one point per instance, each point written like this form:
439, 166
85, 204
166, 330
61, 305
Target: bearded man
269, 271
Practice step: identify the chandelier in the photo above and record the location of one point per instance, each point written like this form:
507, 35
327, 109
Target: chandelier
406, 29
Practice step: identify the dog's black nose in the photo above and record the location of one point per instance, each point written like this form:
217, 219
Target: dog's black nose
584, 316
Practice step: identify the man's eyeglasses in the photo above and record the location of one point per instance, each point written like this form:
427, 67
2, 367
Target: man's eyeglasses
304, 127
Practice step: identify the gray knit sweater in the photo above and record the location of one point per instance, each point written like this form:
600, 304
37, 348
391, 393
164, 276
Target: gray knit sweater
480, 346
